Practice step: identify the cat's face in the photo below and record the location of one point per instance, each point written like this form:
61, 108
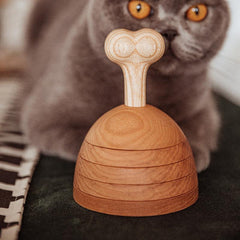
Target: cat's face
194, 30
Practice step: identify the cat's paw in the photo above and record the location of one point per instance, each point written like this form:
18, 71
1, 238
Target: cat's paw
202, 158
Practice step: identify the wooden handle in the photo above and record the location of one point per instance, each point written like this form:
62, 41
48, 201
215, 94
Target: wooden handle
134, 52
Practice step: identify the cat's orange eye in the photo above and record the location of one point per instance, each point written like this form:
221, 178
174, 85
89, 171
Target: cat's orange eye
139, 9
197, 13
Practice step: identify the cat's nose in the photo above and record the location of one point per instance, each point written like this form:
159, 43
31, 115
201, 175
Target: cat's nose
169, 34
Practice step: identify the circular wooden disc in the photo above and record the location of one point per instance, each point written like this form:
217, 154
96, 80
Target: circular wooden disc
126, 158
135, 175
133, 208
135, 128
138, 192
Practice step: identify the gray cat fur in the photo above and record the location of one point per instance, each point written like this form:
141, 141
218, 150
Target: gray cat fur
72, 83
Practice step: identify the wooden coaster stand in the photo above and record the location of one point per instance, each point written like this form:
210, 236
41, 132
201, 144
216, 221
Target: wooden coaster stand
135, 160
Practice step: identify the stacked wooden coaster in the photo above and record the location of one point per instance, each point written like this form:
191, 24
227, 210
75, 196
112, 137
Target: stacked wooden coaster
135, 160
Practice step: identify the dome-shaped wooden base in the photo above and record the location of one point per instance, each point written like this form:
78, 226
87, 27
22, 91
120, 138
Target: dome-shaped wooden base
135, 162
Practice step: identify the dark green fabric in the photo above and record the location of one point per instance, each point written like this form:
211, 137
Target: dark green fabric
51, 213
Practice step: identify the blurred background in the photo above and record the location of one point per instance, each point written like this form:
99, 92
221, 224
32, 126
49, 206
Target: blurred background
218, 210
224, 71
13, 21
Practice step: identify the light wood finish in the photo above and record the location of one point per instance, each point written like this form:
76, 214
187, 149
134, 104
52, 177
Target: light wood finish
126, 158
134, 52
137, 192
135, 208
135, 160
128, 128
135, 175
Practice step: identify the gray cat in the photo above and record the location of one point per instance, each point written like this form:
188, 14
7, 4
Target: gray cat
72, 83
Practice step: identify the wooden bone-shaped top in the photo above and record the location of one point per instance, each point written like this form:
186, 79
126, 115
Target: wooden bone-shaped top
134, 52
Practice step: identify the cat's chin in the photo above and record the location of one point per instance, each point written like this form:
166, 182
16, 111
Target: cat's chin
169, 64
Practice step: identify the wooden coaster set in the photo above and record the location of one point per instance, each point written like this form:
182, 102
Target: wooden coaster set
135, 160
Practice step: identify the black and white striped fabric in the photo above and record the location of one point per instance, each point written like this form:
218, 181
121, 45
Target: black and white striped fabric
17, 163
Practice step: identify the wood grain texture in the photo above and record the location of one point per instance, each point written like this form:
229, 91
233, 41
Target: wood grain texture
135, 208
136, 192
134, 52
128, 128
133, 175
126, 158
135, 160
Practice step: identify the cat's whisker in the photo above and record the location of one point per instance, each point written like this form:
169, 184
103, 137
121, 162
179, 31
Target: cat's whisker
222, 72
235, 61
